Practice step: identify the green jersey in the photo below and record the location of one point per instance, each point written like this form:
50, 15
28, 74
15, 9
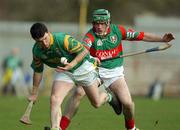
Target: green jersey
61, 45
12, 62
110, 46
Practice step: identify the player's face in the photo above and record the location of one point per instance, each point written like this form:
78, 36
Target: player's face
100, 27
45, 40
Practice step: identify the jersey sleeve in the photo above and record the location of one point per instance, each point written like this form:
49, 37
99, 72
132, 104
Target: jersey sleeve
37, 64
88, 40
72, 45
130, 34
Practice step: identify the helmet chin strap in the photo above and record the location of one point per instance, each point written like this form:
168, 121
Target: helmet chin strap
101, 34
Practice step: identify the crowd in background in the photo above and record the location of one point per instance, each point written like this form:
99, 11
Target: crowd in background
14, 81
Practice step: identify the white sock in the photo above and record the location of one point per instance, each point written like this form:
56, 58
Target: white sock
55, 129
133, 128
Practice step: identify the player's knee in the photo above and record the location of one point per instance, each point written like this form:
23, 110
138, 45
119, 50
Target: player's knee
79, 93
96, 104
55, 100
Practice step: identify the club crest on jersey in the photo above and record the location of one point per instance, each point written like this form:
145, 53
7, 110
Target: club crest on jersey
113, 38
99, 43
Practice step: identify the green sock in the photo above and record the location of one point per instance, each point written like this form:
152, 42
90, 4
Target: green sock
109, 97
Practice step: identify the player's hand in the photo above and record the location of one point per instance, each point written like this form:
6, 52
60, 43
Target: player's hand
168, 37
60, 69
65, 68
97, 61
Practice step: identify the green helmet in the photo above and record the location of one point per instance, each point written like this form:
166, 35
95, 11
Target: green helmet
101, 15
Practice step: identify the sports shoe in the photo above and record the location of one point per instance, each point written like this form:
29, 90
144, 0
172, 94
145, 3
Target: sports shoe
115, 103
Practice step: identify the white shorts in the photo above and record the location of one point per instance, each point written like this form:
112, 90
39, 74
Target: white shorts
108, 76
85, 75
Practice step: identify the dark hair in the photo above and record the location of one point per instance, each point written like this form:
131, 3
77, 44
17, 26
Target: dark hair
38, 30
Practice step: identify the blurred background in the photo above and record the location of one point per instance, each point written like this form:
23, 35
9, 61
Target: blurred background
154, 75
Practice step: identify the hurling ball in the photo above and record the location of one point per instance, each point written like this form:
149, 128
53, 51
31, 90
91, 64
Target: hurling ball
63, 60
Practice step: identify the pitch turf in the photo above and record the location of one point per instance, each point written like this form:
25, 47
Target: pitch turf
150, 115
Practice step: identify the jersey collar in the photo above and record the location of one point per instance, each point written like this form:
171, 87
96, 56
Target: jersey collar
108, 30
51, 40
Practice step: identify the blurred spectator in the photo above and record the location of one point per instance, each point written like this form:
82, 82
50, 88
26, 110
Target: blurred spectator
12, 72
156, 90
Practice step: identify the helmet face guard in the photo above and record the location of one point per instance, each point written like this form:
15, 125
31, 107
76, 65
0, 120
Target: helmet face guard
101, 16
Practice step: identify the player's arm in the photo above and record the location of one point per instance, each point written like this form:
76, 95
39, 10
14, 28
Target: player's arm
78, 58
77, 48
37, 77
37, 66
130, 34
74, 47
149, 37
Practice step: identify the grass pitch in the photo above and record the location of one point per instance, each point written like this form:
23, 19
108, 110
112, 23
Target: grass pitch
150, 115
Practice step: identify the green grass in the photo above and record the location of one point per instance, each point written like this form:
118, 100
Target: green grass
150, 115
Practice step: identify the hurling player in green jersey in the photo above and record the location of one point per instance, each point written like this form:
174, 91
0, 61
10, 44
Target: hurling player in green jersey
104, 41
48, 49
